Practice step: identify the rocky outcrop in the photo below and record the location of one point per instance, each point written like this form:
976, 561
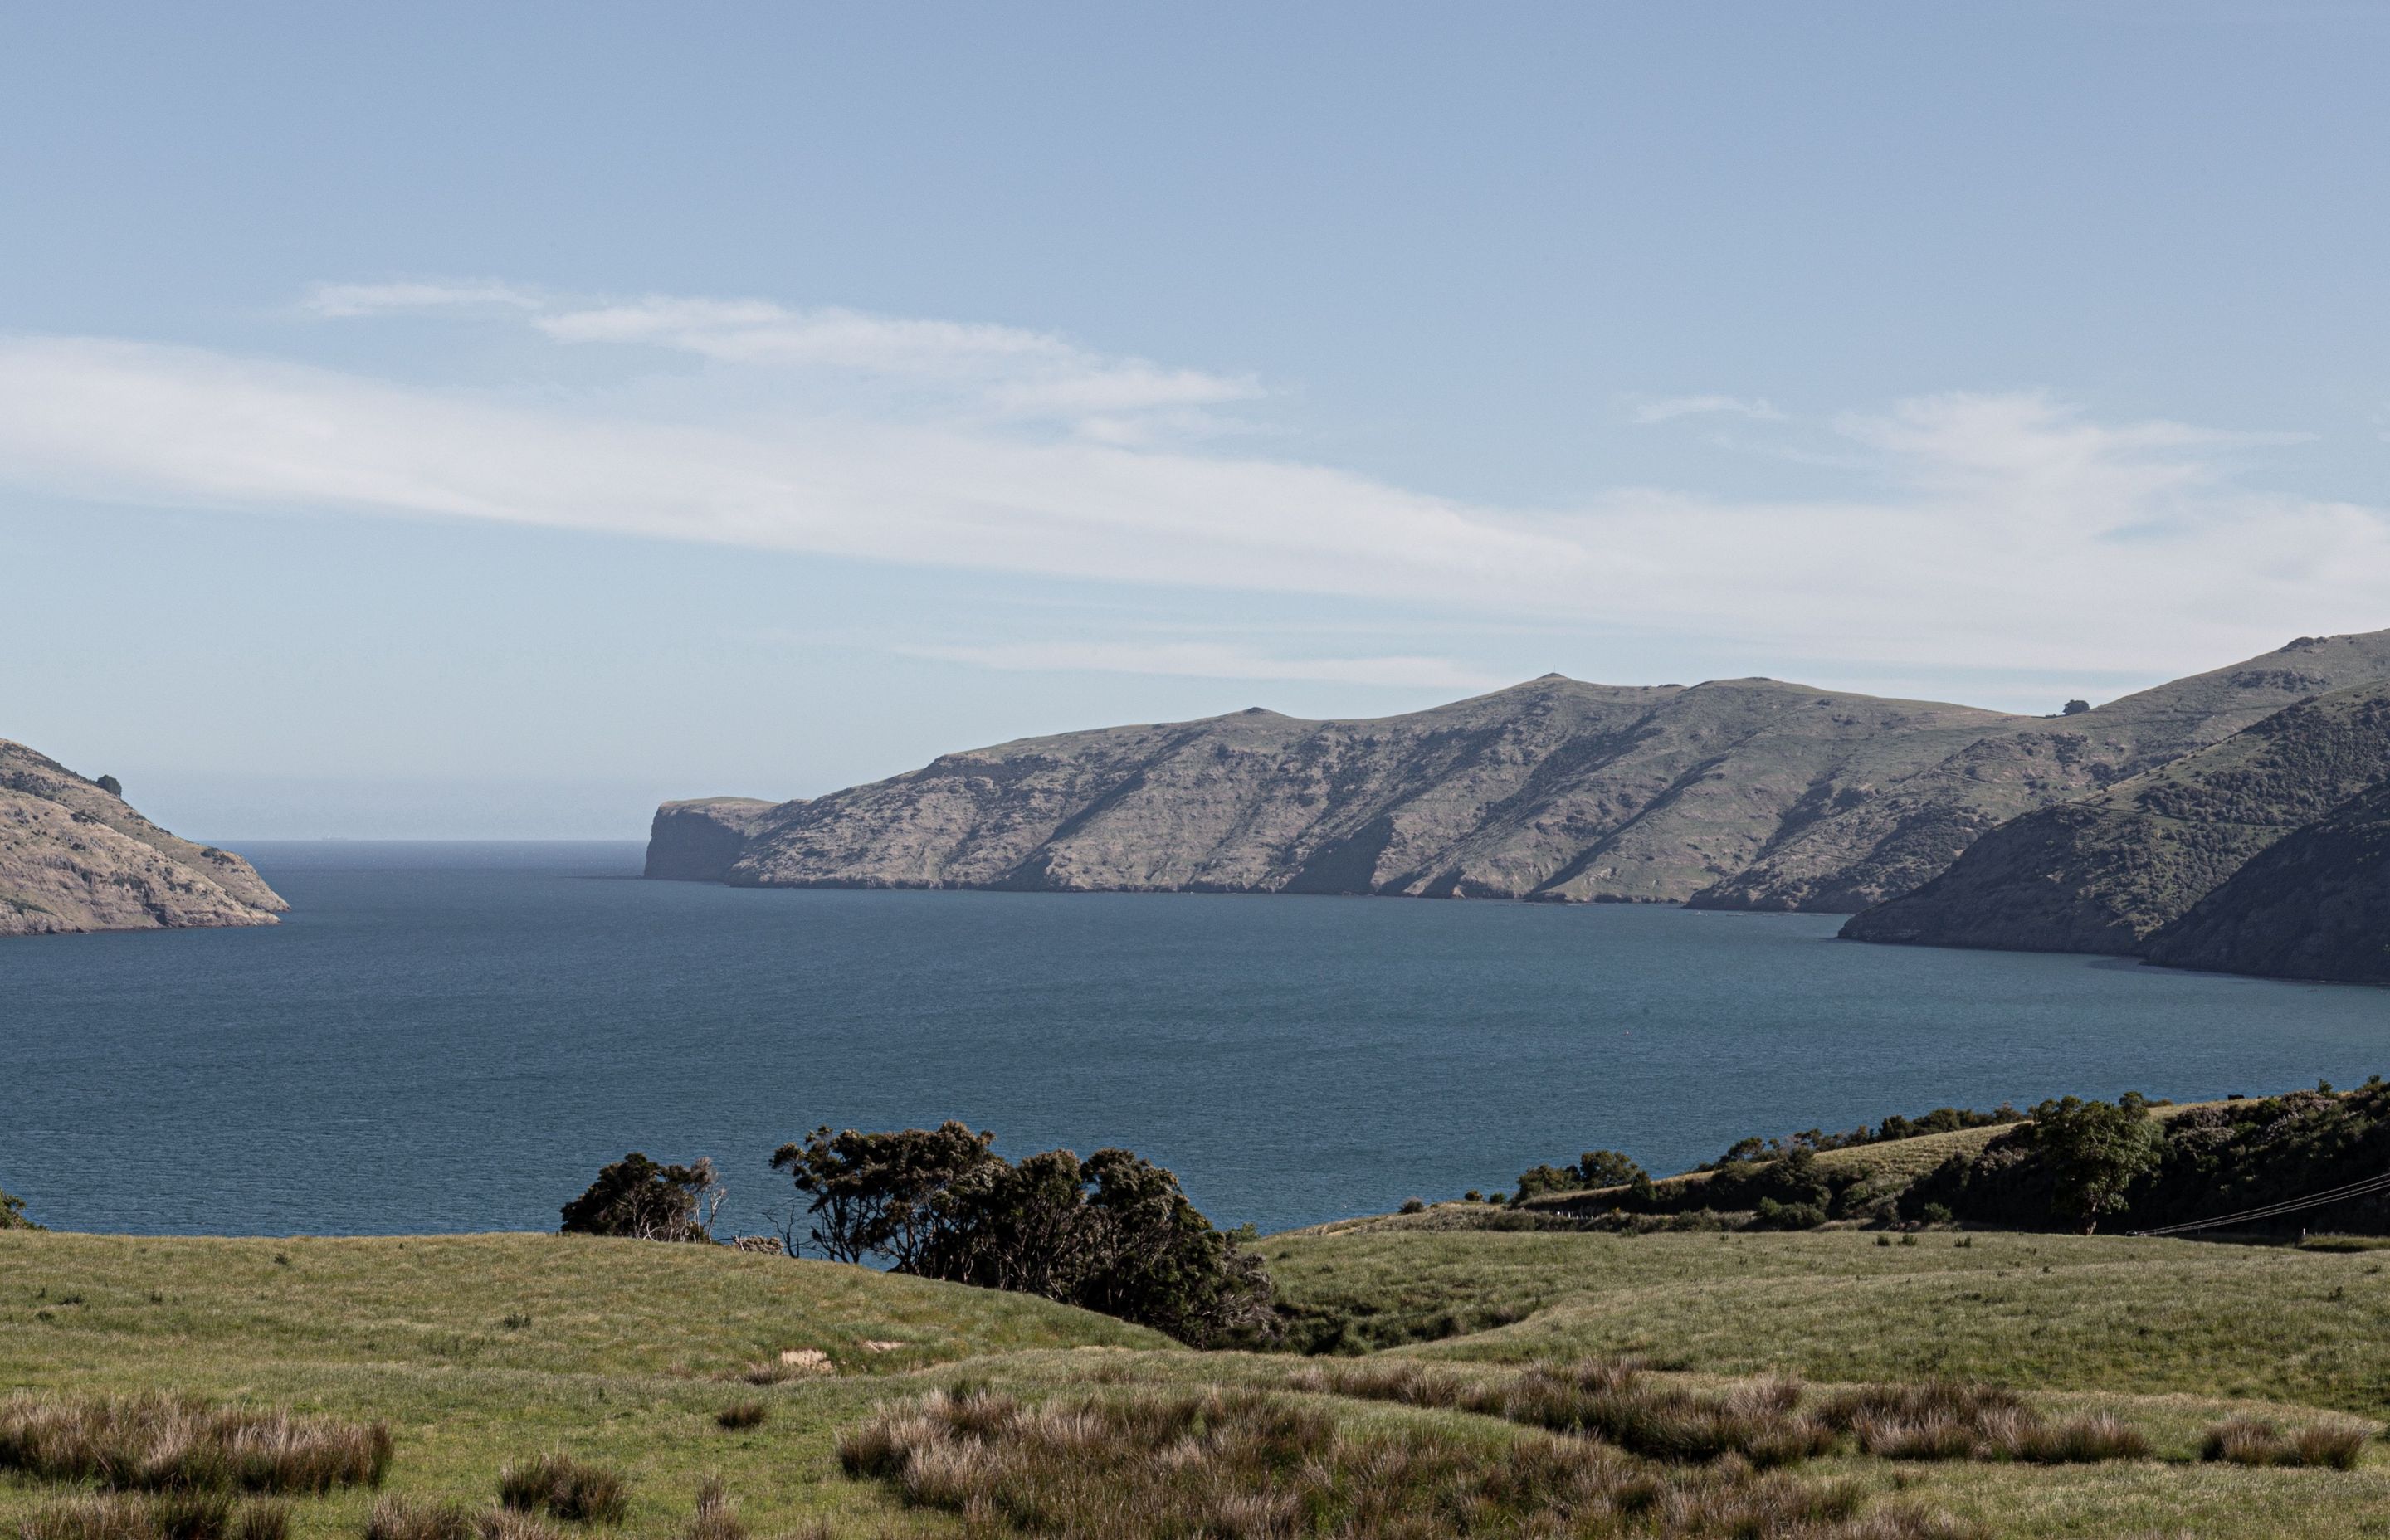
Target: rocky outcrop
2314, 905
1737, 793
701, 839
2106, 873
74, 856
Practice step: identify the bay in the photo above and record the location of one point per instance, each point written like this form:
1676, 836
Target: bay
454, 1037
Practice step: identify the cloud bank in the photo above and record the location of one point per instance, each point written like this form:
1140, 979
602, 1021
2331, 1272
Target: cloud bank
1979, 529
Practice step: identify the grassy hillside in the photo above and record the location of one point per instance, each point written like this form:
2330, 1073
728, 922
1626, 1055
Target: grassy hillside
483, 1349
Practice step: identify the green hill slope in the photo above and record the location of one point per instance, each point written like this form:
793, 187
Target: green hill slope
2104, 872
2314, 905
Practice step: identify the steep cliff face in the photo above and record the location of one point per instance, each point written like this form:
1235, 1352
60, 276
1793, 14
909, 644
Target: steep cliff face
2314, 905
2104, 872
75, 857
701, 839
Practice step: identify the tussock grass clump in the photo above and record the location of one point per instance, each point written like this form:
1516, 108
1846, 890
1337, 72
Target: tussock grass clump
715, 1520
171, 1516
2254, 1440
168, 1444
742, 1414
396, 1518
565, 1488
1943, 1419
1253, 1466
1611, 1400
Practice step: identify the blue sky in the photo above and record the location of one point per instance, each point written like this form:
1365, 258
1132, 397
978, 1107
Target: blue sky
483, 422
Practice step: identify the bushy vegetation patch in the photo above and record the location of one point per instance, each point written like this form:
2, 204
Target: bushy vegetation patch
1249, 1464
1947, 1421
171, 1516
2254, 1440
567, 1489
2079, 1164
167, 1443
12, 1213
1615, 1401
1113, 1233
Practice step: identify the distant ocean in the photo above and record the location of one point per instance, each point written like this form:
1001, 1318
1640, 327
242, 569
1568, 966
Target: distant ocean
454, 1037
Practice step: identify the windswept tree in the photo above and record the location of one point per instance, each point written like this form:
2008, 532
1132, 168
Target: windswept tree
881, 1194
1111, 1233
637, 1198
12, 1213
2095, 1150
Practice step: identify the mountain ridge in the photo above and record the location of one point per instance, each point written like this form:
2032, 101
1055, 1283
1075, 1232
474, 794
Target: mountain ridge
1751, 793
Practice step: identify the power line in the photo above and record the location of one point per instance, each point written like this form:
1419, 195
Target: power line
2273, 1211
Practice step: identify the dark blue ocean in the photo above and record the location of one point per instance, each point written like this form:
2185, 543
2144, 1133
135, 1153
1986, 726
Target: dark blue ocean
454, 1037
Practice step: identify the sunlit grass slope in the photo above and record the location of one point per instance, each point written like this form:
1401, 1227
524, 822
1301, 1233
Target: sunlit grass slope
2044, 1311
482, 1349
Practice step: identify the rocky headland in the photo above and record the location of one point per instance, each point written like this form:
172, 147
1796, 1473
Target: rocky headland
75, 856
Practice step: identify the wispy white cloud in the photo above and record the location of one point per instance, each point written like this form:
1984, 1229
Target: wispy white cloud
1980, 530
1008, 371
1648, 410
1211, 660
340, 301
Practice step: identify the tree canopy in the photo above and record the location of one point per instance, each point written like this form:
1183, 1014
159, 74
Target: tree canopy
637, 1198
1111, 1233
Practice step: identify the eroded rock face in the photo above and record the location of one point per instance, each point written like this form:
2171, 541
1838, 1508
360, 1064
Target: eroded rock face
76, 857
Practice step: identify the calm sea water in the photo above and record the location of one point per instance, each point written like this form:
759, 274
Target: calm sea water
453, 1037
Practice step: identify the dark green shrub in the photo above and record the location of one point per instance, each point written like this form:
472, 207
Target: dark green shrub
1413, 1205
1773, 1215
1111, 1233
111, 785
637, 1198
12, 1213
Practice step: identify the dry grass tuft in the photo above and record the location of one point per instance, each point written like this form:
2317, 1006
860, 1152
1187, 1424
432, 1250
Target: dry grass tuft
168, 1444
170, 1516
742, 1414
1946, 1420
715, 1520
565, 1488
395, 1519
1606, 1399
1247, 1465
2253, 1441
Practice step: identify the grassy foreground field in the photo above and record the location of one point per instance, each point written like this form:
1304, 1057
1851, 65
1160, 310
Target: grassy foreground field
482, 1350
